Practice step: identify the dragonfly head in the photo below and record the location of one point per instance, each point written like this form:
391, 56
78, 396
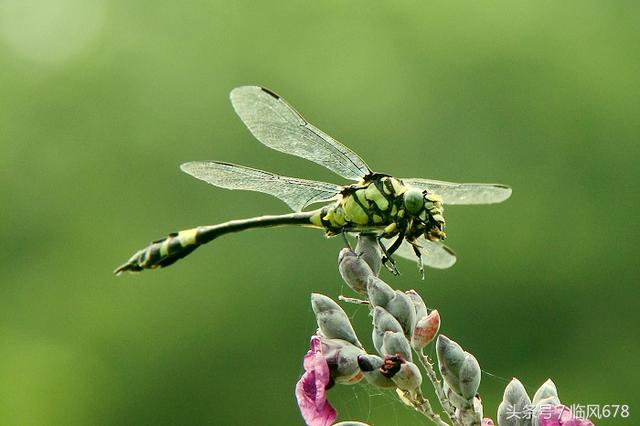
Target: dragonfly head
427, 208
414, 201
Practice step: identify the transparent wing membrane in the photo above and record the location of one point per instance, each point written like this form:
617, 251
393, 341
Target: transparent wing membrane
277, 125
463, 193
297, 193
434, 254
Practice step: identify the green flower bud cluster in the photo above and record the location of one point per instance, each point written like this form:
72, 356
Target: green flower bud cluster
461, 374
517, 409
401, 321
402, 327
418, 324
349, 363
395, 302
396, 329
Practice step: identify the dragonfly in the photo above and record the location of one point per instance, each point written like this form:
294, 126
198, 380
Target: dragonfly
405, 214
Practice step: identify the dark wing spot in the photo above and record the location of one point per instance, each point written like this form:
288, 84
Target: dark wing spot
264, 89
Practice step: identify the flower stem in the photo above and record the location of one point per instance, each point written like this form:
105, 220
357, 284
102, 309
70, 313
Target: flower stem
423, 406
444, 401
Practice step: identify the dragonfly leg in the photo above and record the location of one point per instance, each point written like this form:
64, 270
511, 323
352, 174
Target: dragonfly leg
387, 260
396, 244
420, 263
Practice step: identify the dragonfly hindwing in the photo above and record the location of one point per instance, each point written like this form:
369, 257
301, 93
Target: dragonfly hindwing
434, 253
463, 193
297, 193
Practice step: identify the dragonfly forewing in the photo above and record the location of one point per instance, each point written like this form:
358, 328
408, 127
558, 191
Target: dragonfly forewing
297, 193
277, 125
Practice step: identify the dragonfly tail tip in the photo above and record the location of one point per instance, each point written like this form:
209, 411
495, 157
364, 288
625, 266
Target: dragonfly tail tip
123, 268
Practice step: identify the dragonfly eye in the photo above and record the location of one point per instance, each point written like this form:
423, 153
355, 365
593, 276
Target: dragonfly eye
413, 201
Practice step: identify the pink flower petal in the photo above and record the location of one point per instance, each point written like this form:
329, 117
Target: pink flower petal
577, 422
560, 416
311, 388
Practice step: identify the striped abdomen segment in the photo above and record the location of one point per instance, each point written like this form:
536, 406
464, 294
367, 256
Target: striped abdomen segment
175, 246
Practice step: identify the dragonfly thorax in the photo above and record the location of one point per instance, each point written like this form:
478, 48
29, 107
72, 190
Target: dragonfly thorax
384, 204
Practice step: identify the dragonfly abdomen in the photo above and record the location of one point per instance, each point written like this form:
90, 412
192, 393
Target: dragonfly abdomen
175, 246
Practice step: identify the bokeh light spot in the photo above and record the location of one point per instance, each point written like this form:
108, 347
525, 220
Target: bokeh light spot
50, 32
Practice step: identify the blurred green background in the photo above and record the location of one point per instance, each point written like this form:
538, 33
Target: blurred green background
101, 100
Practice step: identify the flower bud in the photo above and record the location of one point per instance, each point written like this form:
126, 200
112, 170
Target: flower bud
383, 321
342, 359
351, 423
469, 376
354, 270
418, 303
460, 371
395, 302
514, 405
379, 292
395, 343
547, 394
450, 359
369, 362
401, 307
426, 329
371, 367
368, 249
408, 378
487, 422
332, 320
457, 400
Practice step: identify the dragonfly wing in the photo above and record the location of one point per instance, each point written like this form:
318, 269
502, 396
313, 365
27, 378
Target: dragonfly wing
277, 125
434, 254
463, 193
297, 193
